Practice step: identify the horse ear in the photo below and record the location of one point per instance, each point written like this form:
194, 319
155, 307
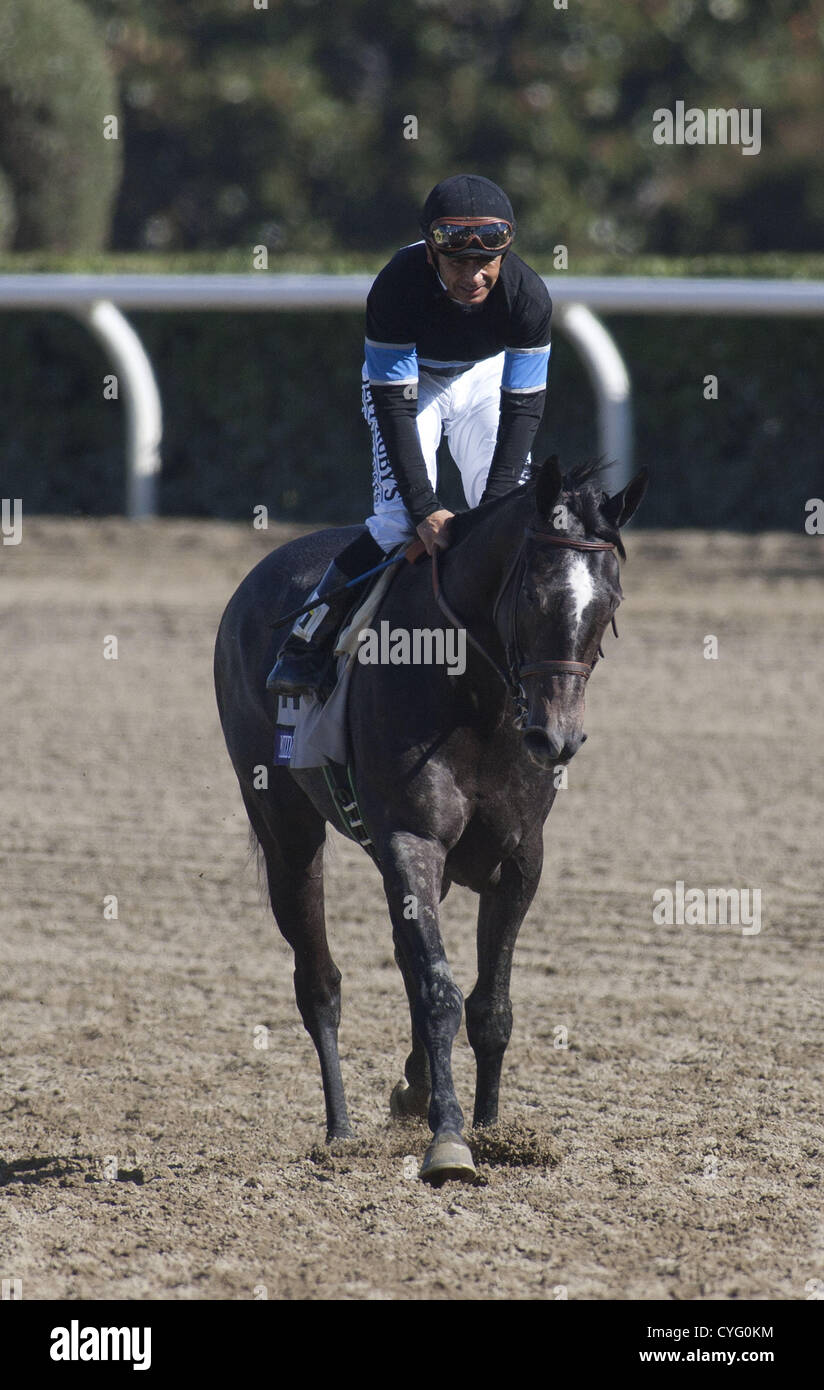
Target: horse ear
624, 504
549, 486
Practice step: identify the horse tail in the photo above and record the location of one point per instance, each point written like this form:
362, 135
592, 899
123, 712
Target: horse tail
256, 853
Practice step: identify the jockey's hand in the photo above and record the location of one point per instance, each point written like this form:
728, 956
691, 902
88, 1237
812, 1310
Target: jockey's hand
434, 530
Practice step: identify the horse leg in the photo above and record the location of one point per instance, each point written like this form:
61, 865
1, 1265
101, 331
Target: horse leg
292, 842
489, 1007
411, 1096
413, 869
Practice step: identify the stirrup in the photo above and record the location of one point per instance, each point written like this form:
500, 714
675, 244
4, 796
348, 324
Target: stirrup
299, 673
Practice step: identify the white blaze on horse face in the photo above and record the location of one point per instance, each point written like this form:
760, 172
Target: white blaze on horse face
583, 589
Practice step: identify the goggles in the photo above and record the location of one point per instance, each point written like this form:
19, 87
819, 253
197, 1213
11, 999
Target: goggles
449, 236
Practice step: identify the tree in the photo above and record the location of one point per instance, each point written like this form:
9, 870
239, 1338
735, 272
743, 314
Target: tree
58, 174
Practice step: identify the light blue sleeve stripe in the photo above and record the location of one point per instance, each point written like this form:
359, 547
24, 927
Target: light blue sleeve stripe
391, 362
525, 371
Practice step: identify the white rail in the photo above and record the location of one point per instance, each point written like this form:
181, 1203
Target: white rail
610, 382
144, 414
263, 290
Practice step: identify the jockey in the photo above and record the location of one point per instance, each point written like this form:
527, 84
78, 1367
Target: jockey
457, 341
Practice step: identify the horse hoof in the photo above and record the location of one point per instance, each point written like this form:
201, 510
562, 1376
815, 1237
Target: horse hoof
339, 1135
448, 1160
405, 1103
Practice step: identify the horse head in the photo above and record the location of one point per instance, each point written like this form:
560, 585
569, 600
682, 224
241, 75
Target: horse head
564, 590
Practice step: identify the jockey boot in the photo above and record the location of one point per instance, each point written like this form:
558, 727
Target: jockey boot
305, 655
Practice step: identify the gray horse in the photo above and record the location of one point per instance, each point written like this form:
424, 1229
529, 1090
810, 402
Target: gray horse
455, 773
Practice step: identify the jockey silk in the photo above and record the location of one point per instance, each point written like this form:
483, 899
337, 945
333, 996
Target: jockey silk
431, 364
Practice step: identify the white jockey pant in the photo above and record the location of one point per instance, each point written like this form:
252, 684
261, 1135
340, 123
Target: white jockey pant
467, 409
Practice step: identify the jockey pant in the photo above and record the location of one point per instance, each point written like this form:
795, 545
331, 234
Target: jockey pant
466, 408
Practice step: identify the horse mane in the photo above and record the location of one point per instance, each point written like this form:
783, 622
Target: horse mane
582, 495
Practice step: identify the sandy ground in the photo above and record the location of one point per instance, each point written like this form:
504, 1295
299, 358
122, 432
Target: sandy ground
148, 1147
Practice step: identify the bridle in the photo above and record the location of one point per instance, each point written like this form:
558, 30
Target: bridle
516, 670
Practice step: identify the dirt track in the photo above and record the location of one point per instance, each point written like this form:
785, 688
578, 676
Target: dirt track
680, 1128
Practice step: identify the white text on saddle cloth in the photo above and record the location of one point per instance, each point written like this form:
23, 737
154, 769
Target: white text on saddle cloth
288, 709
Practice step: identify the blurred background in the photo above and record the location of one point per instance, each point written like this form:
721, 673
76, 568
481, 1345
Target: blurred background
242, 123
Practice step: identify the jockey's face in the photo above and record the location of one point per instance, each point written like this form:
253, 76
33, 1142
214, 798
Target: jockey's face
468, 280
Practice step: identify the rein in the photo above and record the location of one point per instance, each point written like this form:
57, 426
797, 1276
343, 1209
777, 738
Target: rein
512, 678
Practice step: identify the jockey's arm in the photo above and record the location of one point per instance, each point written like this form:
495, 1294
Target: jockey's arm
396, 412
393, 383
523, 396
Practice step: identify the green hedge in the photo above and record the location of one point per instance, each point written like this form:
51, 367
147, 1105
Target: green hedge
265, 408
776, 265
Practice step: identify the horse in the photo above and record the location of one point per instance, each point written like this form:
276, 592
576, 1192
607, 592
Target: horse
455, 773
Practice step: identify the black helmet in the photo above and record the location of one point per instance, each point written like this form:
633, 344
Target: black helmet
468, 215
